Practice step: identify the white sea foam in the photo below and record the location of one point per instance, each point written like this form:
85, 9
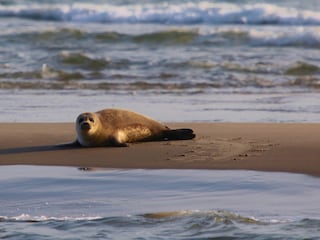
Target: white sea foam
178, 13
26, 217
296, 37
302, 36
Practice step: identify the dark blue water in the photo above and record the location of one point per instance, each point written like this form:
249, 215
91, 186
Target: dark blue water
68, 203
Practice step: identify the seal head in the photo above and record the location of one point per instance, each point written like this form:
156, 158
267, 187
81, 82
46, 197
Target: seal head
87, 127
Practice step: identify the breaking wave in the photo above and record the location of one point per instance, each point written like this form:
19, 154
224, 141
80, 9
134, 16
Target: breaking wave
165, 13
181, 224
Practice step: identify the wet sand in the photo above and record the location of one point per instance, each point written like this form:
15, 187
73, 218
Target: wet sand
250, 146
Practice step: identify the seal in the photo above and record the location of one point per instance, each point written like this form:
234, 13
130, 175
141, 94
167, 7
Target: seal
118, 127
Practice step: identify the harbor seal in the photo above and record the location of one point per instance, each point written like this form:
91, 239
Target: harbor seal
118, 127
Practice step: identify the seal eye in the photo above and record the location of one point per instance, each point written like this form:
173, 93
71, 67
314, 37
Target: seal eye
80, 120
91, 120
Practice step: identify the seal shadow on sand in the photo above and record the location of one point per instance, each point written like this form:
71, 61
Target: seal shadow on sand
33, 149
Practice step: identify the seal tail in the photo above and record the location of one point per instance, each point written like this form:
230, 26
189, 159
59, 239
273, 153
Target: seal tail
178, 134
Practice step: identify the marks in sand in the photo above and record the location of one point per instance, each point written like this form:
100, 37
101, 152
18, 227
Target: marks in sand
208, 149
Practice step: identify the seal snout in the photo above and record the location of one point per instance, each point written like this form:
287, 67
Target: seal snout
85, 126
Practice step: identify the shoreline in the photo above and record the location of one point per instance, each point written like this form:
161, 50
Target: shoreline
284, 147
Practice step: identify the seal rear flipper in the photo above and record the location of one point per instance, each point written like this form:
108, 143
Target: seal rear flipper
178, 134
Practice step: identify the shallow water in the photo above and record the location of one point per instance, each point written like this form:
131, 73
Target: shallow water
68, 203
64, 106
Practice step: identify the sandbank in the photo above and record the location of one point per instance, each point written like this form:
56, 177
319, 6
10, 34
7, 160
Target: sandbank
248, 146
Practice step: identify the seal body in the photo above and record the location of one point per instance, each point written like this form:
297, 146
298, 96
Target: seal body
117, 127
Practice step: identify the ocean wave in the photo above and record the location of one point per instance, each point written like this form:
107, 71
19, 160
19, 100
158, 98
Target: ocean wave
298, 37
219, 216
277, 37
213, 216
165, 13
81, 71
84, 61
249, 85
171, 36
303, 68
30, 79
262, 37
162, 225
67, 82
195, 217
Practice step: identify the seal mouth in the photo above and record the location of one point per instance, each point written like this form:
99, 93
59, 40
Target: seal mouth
85, 126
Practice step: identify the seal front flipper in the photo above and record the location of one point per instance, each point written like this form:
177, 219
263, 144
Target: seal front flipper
114, 142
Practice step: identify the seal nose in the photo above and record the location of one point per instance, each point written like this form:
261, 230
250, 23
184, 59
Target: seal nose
85, 126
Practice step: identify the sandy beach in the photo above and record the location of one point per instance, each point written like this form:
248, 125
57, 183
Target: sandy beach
249, 146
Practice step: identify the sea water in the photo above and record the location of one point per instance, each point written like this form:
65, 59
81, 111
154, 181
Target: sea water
234, 61
182, 61
71, 203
